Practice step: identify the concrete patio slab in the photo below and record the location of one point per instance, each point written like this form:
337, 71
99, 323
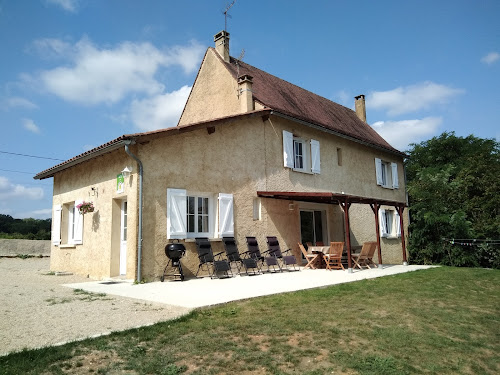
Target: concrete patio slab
193, 293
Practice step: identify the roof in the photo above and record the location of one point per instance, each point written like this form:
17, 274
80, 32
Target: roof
325, 197
298, 103
141, 137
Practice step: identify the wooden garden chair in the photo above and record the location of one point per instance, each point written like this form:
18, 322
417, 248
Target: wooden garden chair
365, 257
333, 259
310, 258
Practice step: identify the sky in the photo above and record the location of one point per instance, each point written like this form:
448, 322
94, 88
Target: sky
75, 74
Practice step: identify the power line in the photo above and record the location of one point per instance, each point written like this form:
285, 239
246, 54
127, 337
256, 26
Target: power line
8, 170
30, 156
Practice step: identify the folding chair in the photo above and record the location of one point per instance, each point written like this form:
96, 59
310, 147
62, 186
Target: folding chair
273, 248
233, 256
214, 264
254, 252
333, 259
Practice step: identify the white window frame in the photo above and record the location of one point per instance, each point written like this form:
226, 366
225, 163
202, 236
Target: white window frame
210, 214
220, 214
386, 174
390, 225
310, 157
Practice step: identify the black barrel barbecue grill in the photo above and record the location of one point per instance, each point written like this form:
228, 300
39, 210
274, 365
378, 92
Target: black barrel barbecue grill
174, 252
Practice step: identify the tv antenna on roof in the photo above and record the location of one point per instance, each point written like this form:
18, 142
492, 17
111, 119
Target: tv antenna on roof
227, 15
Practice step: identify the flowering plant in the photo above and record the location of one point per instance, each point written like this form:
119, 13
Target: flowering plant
85, 207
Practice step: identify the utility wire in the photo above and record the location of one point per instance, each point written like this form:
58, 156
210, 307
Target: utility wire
8, 170
30, 156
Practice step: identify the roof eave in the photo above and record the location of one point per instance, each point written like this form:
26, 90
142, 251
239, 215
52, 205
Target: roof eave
82, 158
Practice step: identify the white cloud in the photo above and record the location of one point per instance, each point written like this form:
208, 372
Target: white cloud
411, 98
51, 48
17, 102
30, 125
9, 190
68, 5
490, 58
100, 75
400, 134
161, 111
344, 98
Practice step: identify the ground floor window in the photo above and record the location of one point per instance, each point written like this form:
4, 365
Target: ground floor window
390, 225
312, 224
191, 214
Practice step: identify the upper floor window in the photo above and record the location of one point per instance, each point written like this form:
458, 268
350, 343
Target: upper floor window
301, 155
387, 174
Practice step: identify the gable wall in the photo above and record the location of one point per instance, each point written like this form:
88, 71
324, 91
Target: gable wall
214, 85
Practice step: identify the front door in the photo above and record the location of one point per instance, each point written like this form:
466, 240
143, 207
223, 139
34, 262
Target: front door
311, 226
123, 239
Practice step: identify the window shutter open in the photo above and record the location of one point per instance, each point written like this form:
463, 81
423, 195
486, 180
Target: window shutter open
383, 227
395, 181
78, 236
315, 157
176, 213
378, 171
287, 149
56, 225
226, 219
397, 224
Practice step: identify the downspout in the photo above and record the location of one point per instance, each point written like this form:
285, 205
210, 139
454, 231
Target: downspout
139, 237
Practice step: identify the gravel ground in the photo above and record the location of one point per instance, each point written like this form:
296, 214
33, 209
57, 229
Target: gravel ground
36, 310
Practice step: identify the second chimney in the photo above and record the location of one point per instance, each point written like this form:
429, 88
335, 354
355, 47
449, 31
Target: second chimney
221, 40
359, 103
245, 93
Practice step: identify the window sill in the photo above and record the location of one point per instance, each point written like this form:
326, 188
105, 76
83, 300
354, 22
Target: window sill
390, 237
210, 239
67, 246
303, 171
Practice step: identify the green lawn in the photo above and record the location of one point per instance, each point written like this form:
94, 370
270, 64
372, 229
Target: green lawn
437, 321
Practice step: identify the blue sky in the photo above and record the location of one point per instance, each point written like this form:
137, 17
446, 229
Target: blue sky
78, 73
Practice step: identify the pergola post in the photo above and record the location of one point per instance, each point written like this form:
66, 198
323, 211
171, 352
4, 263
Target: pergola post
400, 210
345, 206
375, 208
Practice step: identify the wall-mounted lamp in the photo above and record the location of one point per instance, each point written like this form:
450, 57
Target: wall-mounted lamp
95, 191
291, 206
126, 172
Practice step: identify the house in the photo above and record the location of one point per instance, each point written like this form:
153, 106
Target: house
252, 155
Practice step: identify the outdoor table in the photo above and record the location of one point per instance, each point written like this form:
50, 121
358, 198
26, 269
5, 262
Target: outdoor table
319, 251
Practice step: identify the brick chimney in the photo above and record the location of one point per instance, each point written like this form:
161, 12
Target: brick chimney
359, 102
245, 93
221, 40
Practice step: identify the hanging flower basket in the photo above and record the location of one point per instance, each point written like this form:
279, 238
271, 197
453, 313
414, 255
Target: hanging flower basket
85, 207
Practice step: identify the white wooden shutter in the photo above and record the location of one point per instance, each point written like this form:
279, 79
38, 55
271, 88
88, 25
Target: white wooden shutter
78, 235
56, 225
383, 226
226, 216
395, 180
315, 157
378, 171
397, 223
176, 213
287, 149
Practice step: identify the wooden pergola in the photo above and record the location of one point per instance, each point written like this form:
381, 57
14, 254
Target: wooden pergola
345, 201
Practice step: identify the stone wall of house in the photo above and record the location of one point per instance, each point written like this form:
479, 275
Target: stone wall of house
24, 247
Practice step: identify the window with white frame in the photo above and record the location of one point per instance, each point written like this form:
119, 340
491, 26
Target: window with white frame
301, 155
386, 174
390, 225
191, 215
67, 224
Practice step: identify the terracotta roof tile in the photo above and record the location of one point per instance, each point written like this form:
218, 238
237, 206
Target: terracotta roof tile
294, 101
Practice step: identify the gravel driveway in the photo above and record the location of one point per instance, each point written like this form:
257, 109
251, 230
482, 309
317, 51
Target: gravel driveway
36, 310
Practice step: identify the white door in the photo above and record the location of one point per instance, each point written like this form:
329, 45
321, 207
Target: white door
123, 239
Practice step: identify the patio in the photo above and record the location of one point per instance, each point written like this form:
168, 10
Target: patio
193, 293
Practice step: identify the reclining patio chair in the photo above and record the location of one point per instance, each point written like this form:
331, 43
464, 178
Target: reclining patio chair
273, 248
254, 253
215, 264
333, 259
233, 256
310, 258
365, 257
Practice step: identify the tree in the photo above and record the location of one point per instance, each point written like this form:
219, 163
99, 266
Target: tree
453, 188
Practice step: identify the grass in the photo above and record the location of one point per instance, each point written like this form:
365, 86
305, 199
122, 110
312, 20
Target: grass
437, 321
79, 294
